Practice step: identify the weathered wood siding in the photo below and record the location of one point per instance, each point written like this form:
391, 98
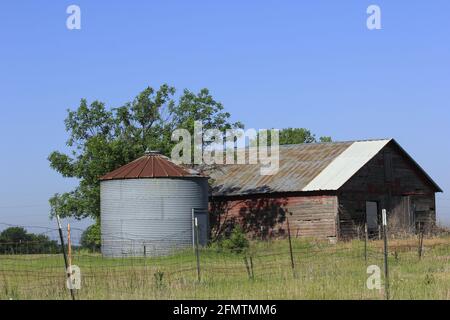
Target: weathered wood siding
313, 216
391, 180
309, 215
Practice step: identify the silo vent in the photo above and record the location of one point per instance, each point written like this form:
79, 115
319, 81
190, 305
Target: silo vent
152, 152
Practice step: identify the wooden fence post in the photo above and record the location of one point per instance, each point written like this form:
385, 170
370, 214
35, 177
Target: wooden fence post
421, 235
249, 272
251, 267
290, 248
69, 245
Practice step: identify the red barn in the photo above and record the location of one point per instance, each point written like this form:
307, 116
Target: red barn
327, 190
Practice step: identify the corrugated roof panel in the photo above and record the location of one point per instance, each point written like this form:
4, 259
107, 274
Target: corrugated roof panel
136, 171
299, 164
345, 165
151, 165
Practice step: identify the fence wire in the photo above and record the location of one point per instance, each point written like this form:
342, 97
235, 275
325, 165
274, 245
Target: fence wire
266, 270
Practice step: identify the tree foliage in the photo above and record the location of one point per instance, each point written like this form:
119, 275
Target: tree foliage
296, 136
299, 135
102, 139
91, 237
16, 240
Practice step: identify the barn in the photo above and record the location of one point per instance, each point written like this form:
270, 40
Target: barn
326, 190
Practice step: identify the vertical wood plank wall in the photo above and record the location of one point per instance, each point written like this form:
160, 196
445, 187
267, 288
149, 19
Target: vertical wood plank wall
395, 184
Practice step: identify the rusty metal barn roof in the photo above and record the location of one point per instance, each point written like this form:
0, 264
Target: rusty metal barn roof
299, 164
302, 167
151, 165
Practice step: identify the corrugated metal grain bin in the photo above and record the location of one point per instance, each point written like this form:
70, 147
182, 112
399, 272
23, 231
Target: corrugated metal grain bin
147, 207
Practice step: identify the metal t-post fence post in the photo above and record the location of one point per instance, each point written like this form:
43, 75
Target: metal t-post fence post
66, 263
193, 229
366, 239
386, 264
197, 254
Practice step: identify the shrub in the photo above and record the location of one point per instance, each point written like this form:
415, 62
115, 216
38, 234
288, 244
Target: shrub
237, 242
159, 275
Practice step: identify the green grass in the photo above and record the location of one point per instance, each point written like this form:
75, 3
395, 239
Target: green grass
322, 271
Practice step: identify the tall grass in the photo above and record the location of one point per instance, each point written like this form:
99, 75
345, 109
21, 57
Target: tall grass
322, 271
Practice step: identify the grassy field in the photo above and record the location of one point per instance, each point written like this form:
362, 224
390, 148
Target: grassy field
322, 271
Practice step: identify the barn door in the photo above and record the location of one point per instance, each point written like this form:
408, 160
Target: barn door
372, 216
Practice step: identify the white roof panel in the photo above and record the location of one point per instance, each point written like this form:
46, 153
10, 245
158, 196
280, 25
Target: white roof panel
344, 166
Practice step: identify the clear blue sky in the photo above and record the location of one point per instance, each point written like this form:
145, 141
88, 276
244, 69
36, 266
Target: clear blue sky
275, 64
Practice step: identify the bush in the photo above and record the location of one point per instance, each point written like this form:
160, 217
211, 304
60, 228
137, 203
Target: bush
237, 242
90, 239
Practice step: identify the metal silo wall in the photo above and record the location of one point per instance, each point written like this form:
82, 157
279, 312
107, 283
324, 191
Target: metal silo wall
155, 214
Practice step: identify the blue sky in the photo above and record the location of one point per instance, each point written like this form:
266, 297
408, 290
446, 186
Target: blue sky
275, 64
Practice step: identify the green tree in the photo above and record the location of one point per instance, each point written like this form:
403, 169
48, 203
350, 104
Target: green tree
90, 238
102, 139
17, 240
299, 135
325, 139
15, 234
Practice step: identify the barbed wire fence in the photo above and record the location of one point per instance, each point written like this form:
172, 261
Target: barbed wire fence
300, 268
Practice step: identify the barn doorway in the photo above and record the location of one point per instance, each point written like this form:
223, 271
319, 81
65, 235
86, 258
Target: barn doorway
372, 216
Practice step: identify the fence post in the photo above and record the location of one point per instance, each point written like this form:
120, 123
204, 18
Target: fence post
69, 245
366, 238
193, 228
421, 234
386, 264
248, 268
251, 267
196, 249
145, 257
64, 254
290, 248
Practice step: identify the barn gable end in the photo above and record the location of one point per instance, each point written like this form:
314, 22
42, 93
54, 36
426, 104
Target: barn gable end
394, 182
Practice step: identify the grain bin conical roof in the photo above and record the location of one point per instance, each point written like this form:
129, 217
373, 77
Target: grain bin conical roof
151, 165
